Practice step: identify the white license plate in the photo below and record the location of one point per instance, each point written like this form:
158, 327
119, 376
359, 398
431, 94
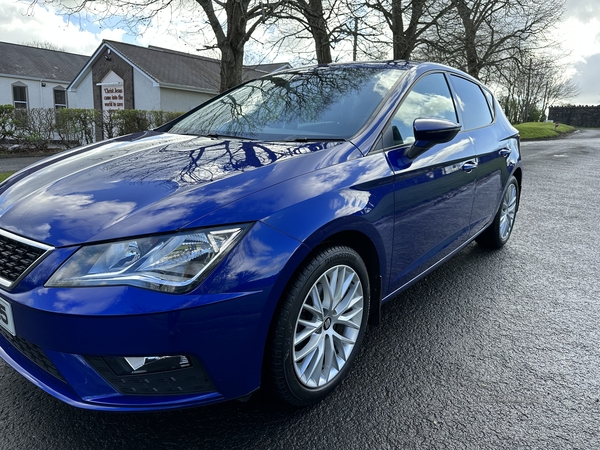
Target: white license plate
6, 317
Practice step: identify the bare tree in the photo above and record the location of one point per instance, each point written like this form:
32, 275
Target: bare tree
47, 45
409, 20
530, 88
344, 29
482, 36
243, 18
323, 20
232, 22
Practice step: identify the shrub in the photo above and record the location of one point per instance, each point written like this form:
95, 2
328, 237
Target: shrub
34, 128
7, 126
76, 126
38, 128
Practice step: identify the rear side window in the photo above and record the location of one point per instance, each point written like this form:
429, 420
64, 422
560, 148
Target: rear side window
472, 103
428, 99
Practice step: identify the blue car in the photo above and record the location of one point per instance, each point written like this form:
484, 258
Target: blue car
248, 243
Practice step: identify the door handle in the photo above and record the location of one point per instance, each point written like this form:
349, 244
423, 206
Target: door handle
469, 166
504, 152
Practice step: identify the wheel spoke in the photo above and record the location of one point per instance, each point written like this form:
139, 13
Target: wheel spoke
309, 348
309, 329
330, 358
327, 298
316, 362
317, 305
347, 319
343, 339
348, 297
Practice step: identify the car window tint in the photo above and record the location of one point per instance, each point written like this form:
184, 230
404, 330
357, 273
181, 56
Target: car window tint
472, 103
429, 98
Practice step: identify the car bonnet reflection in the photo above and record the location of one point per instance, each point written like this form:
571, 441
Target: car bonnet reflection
75, 199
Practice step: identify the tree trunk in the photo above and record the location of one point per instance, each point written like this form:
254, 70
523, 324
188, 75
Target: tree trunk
232, 61
405, 41
470, 39
313, 12
400, 41
232, 43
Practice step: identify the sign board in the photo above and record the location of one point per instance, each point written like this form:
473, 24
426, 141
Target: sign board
113, 92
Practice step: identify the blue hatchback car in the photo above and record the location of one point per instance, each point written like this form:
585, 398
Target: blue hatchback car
249, 242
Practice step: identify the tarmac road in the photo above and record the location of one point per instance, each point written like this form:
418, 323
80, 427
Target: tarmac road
492, 350
14, 164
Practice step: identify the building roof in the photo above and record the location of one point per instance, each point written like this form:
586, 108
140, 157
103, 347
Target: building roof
269, 68
22, 61
170, 68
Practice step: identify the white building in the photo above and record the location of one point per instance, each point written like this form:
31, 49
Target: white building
125, 76
32, 77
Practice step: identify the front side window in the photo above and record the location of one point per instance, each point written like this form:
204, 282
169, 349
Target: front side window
60, 98
430, 98
472, 103
323, 103
19, 96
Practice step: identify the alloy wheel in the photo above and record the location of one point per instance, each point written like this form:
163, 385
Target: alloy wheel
328, 326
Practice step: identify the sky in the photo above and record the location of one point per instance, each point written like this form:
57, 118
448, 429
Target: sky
579, 33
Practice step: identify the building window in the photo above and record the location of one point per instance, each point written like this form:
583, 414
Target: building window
20, 95
60, 98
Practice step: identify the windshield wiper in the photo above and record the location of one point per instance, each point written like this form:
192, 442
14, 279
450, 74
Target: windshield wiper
318, 139
225, 136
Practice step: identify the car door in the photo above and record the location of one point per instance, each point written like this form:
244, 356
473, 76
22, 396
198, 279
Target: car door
490, 148
434, 191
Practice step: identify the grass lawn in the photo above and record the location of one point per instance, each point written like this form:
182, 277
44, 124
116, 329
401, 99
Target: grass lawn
542, 130
4, 175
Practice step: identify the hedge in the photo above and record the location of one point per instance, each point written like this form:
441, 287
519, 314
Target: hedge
41, 128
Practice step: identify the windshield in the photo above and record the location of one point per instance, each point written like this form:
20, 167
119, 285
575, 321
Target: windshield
325, 103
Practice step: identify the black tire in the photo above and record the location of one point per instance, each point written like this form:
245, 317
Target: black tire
334, 336
499, 231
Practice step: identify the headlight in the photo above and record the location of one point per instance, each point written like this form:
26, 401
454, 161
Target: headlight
168, 263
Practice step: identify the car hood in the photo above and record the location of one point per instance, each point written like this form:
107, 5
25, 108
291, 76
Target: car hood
147, 183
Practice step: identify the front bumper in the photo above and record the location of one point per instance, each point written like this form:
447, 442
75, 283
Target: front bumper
64, 334
226, 354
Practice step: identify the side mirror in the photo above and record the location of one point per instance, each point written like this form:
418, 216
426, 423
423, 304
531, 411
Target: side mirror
429, 132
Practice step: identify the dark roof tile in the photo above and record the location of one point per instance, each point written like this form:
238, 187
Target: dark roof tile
183, 69
52, 65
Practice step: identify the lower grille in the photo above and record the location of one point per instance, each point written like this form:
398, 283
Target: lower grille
191, 380
34, 353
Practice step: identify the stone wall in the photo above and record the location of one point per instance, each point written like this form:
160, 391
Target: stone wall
577, 116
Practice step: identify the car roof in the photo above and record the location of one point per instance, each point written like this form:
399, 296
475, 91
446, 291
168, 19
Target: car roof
419, 66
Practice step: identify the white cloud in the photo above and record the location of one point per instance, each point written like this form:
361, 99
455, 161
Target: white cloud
42, 23
587, 78
581, 39
579, 34
583, 10
20, 24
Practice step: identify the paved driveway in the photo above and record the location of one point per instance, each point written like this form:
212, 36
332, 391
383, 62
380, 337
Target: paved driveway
492, 350
14, 164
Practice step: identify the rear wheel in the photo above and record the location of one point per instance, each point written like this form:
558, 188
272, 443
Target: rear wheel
497, 234
319, 327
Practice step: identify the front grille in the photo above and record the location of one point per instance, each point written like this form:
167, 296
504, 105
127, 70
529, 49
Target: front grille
191, 380
34, 353
17, 257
